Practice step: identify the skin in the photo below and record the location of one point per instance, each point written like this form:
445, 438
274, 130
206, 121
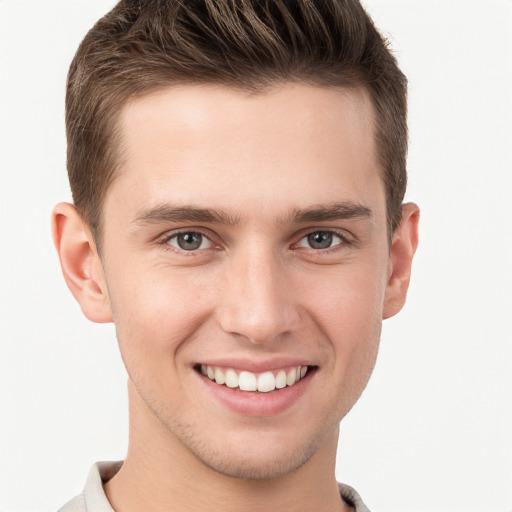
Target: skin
254, 291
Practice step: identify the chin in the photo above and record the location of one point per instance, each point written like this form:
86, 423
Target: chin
259, 456
252, 466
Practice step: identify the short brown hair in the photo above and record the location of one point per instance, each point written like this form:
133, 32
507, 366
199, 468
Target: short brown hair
143, 45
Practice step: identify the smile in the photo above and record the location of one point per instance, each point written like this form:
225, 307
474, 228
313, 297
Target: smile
248, 381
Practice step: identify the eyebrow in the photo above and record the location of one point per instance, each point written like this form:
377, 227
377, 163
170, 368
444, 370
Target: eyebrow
333, 211
191, 213
170, 213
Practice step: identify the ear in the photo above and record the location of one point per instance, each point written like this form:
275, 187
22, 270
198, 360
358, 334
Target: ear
80, 263
403, 247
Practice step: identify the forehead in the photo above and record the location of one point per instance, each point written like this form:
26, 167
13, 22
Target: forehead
289, 147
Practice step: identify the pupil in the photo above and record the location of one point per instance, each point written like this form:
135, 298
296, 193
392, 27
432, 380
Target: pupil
320, 240
190, 241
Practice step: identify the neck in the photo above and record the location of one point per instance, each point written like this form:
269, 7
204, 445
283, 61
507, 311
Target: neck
161, 474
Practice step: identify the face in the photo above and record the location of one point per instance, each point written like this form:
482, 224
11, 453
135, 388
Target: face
245, 247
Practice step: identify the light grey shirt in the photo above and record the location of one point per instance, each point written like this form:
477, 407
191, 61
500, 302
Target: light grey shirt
93, 498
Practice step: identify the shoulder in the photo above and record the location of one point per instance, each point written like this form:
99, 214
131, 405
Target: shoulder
351, 496
77, 504
93, 498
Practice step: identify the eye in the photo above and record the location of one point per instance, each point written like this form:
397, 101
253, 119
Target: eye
320, 240
190, 241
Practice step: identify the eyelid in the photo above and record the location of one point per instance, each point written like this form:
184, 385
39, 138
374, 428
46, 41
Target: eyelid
163, 240
346, 237
342, 239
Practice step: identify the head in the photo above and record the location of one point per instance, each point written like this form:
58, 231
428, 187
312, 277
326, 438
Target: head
242, 166
143, 46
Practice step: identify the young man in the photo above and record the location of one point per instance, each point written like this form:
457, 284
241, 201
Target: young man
238, 172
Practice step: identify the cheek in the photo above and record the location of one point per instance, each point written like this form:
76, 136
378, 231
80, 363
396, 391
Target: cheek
155, 312
349, 312
352, 297
352, 322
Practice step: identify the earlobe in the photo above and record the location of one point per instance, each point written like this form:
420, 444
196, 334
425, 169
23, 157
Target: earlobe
80, 263
403, 247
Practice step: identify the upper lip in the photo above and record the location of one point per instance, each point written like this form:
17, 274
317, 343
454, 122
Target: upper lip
255, 366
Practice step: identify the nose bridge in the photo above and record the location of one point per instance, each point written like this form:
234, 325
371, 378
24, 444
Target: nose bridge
257, 300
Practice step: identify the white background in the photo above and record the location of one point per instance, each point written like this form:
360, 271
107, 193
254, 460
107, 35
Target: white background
433, 431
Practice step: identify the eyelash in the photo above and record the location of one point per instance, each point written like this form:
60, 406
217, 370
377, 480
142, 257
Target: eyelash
345, 241
165, 239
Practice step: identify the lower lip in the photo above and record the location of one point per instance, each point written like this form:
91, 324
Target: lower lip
253, 403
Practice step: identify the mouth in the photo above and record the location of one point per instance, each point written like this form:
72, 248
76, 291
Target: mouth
263, 382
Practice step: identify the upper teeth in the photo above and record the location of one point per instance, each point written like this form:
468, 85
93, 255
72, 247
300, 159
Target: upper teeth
248, 381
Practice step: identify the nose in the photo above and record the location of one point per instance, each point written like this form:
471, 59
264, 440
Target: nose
258, 301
